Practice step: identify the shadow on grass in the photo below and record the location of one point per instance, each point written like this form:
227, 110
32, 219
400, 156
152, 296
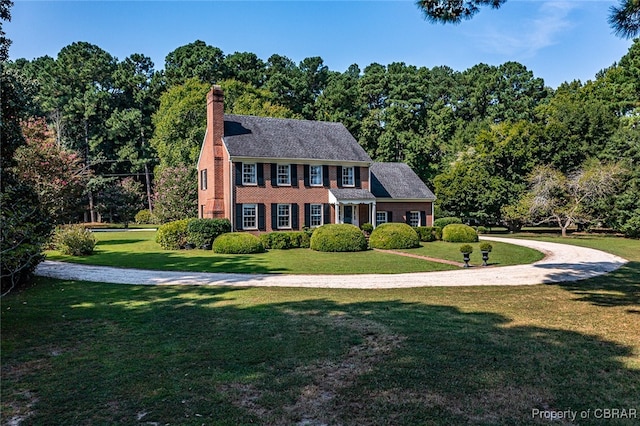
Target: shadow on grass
275, 356
177, 261
618, 288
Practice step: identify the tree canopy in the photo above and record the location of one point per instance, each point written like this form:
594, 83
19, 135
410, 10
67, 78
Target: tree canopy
624, 18
474, 135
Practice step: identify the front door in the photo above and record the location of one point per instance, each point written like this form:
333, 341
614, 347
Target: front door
348, 214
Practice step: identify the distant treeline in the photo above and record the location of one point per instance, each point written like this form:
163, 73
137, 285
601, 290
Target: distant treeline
474, 136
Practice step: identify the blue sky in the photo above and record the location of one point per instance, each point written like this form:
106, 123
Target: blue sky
557, 40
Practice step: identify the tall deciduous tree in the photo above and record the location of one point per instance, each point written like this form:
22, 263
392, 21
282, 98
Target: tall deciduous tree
58, 176
120, 201
564, 199
25, 226
180, 124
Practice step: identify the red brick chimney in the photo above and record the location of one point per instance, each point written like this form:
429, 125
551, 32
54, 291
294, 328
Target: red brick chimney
212, 165
215, 114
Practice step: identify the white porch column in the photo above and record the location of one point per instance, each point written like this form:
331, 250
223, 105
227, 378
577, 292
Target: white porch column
337, 205
373, 214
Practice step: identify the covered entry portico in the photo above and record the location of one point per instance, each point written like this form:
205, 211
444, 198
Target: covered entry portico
355, 206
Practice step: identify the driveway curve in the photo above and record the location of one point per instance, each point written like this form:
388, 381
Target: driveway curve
561, 263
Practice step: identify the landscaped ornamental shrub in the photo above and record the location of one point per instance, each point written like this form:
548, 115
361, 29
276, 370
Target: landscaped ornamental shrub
286, 240
428, 233
202, 232
394, 236
459, 233
338, 237
172, 235
444, 221
238, 243
75, 240
143, 217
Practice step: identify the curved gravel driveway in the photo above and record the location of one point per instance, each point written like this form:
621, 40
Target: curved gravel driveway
562, 263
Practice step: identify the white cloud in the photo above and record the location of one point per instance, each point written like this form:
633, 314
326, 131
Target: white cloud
525, 37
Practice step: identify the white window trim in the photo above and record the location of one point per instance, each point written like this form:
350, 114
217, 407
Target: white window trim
253, 175
245, 216
411, 213
311, 215
386, 217
203, 180
278, 216
319, 175
345, 175
288, 183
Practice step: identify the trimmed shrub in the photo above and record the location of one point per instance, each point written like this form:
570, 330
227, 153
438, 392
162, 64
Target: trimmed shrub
74, 240
143, 217
367, 227
286, 240
280, 240
265, 239
238, 243
300, 239
201, 232
466, 249
459, 233
338, 238
173, 235
427, 233
394, 236
481, 230
438, 232
444, 221
485, 246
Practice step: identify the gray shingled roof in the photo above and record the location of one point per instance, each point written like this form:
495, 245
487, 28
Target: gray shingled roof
264, 137
352, 194
397, 180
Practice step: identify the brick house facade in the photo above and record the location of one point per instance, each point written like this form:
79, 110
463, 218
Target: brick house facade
267, 174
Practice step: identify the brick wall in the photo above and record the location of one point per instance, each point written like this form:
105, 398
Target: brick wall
296, 193
399, 210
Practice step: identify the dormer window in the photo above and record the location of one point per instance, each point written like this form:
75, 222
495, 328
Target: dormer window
348, 176
284, 174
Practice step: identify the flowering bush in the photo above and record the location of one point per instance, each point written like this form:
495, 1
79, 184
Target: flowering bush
176, 194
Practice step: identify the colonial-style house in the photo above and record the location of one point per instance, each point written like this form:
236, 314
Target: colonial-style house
267, 174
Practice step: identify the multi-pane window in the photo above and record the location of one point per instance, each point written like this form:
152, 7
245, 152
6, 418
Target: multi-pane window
249, 174
249, 216
381, 217
414, 218
284, 174
315, 175
315, 215
348, 176
203, 179
284, 216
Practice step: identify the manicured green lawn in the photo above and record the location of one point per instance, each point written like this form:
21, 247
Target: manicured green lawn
501, 255
87, 353
139, 250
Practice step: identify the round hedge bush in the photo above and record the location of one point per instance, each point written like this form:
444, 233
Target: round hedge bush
394, 236
338, 237
172, 235
444, 221
459, 233
237, 243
